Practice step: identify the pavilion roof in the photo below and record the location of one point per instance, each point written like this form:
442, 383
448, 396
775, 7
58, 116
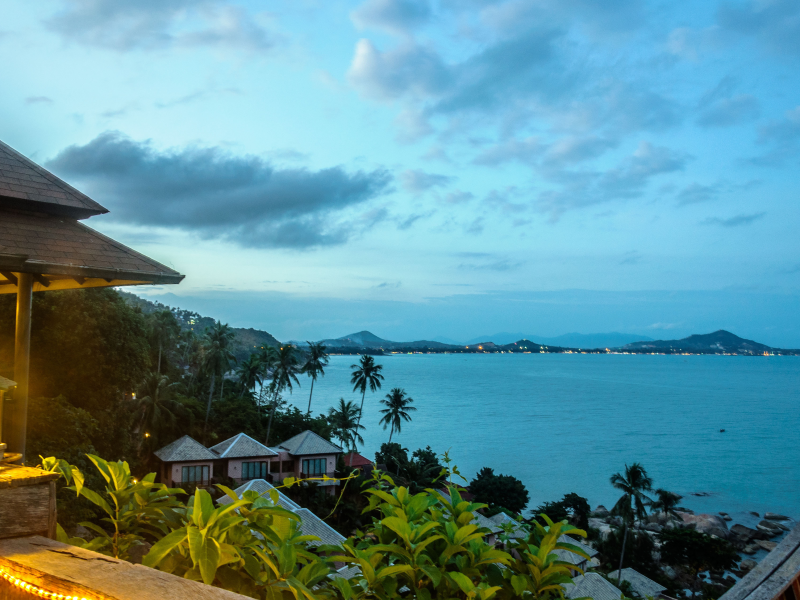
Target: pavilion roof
26, 185
307, 443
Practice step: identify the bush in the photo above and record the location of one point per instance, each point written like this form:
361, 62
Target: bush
499, 491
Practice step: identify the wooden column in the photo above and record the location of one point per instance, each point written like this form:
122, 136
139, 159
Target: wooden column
18, 418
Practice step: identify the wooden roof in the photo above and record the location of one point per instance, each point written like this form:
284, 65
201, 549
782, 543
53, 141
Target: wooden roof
24, 184
40, 234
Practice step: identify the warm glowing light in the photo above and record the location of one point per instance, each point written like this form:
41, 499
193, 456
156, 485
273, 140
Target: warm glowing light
146, 434
33, 589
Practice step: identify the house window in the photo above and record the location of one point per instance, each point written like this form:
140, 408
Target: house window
287, 466
314, 466
254, 470
195, 474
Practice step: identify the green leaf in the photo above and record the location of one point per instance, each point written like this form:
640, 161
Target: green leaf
203, 508
464, 582
519, 584
205, 554
344, 587
95, 498
433, 572
163, 547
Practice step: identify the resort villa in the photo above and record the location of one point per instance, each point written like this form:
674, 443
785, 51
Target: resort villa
241, 458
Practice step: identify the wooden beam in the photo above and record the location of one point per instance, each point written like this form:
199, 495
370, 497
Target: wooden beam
108, 280
40, 280
80, 280
18, 417
10, 276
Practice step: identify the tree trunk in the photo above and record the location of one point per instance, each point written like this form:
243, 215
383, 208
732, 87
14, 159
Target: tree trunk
221, 385
308, 414
269, 424
208, 408
159, 357
358, 424
391, 432
622, 555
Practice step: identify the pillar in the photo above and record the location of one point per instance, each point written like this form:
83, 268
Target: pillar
18, 418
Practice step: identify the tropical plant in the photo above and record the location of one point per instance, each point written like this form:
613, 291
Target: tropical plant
314, 366
218, 357
631, 505
284, 371
344, 420
571, 507
499, 491
158, 412
398, 405
165, 330
366, 374
698, 551
250, 373
666, 503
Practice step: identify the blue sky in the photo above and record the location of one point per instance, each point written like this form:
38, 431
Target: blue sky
432, 168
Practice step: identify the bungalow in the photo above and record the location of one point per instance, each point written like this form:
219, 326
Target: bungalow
241, 458
592, 586
641, 586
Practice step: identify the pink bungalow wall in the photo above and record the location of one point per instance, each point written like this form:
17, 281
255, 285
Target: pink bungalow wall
175, 473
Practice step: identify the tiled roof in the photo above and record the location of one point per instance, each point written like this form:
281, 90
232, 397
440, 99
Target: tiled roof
502, 518
24, 184
354, 459
592, 586
642, 585
55, 245
565, 539
307, 443
242, 446
313, 525
6, 383
262, 488
185, 449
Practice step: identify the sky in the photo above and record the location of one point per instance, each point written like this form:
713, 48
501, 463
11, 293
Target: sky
432, 169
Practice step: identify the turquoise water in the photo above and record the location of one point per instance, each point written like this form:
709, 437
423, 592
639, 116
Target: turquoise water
565, 423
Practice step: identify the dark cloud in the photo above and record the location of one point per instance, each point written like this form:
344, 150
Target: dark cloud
244, 199
416, 181
154, 24
397, 16
696, 193
38, 100
774, 24
736, 221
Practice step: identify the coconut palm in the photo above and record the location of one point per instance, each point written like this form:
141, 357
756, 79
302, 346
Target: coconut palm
398, 405
217, 358
666, 503
284, 371
314, 366
631, 504
365, 374
250, 374
344, 421
165, 329
157, 412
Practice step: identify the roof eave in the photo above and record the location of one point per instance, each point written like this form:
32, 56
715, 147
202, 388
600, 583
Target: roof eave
59, 210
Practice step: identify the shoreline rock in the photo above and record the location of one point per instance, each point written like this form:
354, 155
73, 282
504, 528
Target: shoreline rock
709, 524
775, 517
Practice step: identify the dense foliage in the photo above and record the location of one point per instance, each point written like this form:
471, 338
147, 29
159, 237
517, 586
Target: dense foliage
499, 491
425, 542
697, 551
571, 507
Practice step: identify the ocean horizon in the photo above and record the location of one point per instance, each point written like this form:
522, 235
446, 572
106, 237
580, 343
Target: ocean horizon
566, 423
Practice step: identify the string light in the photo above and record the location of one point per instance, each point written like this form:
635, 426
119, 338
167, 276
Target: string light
33, 589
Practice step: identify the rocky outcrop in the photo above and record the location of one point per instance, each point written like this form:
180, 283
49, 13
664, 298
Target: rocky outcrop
748, 564
771, 528
767, 545
601, 512
745, 535
708, 524
775, 517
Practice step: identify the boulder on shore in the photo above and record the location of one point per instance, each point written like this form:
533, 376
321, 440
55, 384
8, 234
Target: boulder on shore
727, 518
655, 527
750, 549
770, 528
767, 545
748, 564
708, 524
754, 513
601, 512
775, 517
745, 534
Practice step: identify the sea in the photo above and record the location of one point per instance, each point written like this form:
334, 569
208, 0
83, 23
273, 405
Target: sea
721, 431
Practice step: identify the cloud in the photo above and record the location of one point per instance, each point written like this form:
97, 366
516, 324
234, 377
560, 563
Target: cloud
696, 193
387, 285
774, 24
499, 265
458, 197
783, 136
243, 199
38, 100
525, 151
125, 25
416, 181
736, 221
395, 16
719, 107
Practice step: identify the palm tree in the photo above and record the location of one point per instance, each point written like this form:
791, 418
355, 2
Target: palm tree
344, 420
250, 373
631, 504
397, 408
217, 359
666, 504
165, 329
284, 372
158, 412
366, 374
314, 365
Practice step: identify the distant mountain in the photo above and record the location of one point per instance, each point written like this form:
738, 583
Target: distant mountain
719, 341
245, 342
366, 339
568, 340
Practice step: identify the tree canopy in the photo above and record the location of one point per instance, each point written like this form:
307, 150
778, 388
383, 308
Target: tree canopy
499, 491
